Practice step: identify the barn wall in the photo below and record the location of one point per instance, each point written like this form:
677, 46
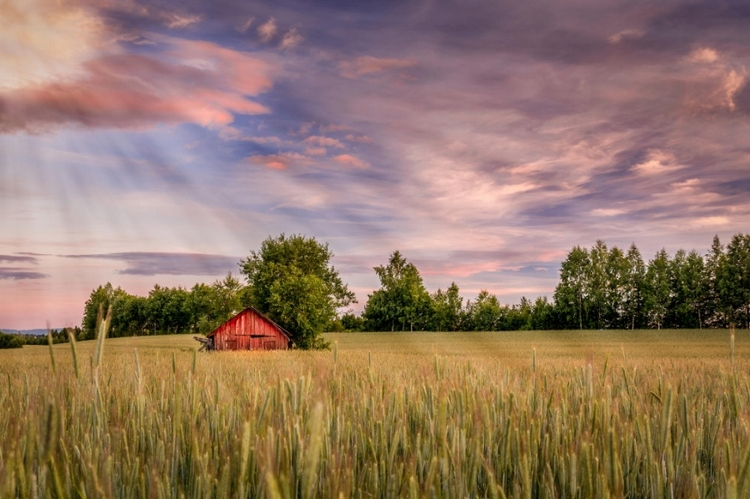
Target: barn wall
238, 332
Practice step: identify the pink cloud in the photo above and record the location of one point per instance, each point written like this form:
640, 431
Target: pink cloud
290, 39
279, 161
349, 160
268, 30
192, 82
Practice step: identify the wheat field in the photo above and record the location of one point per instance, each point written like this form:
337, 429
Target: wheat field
521, 414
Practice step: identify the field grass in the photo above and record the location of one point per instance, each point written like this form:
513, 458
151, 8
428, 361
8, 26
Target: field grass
517, 414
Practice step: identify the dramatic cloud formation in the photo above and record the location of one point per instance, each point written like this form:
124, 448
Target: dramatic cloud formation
190, 82
482, 140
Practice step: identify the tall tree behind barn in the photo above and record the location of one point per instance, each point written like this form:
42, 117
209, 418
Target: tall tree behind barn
248, 330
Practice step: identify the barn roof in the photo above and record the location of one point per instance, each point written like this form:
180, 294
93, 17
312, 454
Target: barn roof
264, 316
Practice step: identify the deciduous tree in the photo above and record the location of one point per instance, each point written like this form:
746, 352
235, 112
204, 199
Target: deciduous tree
292, 280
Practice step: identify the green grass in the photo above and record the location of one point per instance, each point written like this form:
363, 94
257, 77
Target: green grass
516, 414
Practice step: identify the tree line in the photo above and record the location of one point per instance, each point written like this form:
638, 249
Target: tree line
599, 288
165, 310
291, 280
610, 288
18, 340
402, 303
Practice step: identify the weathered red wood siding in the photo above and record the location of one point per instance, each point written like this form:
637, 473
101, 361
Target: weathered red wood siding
249, 330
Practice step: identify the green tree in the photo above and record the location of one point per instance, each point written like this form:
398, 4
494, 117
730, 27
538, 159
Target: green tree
596, 282
352, 323
291, 280
617, 272
717, 311
104, 296
484, 313
168, 310
632, 293
10, 341
542, 315
402, 300
571, 297
735, 278
658, 289
447, 309
689, 289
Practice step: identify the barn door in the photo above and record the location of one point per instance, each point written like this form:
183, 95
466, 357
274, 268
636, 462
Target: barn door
269, 345
232, 344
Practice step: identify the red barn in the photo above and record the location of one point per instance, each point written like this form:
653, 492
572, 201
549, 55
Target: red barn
249, 330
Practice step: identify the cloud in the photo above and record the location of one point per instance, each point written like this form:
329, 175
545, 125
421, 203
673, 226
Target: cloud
245, 26
367, 65
709, 222
608, 212
172, 18
290, 39
712, 81
657, 162
44, 41
626, 34
279, 161
349, 160
268, 30
316, 151
704, 55
165, 263
363, 139
190, 82
733, 82
18, 259
324, 141
18, 274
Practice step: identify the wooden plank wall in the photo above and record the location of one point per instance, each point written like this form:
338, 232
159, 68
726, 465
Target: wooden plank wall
238, 332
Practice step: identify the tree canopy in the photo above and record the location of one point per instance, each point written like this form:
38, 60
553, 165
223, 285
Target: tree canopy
291, 280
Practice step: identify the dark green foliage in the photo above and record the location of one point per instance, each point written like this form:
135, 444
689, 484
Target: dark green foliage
165, 310
291, 280
734, 287
402, 302
571, 294
658, 289
447, 310
352, 323
10, 341
600, 288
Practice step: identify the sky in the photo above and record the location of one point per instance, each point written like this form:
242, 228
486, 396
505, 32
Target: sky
146, 141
